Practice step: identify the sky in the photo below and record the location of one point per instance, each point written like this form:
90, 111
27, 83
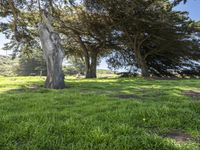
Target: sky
192, 6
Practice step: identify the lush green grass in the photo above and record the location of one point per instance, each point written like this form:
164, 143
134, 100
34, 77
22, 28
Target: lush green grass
89, 114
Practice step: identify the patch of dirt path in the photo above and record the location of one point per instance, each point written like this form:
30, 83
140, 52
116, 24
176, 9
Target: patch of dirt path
194, 94
181, 137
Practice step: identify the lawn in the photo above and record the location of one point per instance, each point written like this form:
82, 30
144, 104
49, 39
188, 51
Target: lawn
99, 114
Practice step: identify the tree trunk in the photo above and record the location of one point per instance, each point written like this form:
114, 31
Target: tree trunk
144, 69
54, 55
91, 66
142, 64
90, 59
94, 66
87, 66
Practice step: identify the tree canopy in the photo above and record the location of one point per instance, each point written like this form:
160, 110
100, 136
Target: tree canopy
161, 39
148, 35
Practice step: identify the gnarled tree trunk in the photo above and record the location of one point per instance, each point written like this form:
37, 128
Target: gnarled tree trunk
53, 53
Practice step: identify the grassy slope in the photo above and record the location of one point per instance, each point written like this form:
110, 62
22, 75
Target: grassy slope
88, 115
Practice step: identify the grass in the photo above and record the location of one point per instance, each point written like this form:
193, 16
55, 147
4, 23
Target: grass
91, 115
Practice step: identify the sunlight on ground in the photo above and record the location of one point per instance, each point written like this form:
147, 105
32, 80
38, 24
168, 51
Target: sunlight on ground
114, 113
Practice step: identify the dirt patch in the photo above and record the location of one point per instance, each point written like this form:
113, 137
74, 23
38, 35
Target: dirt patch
33, 87
127, 96
163, 78
179, 136
194, 94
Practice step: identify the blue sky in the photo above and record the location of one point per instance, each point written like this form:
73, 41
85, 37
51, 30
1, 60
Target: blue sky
193, 7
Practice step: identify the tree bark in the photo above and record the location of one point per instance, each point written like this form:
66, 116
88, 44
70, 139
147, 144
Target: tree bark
136, 46
54, 55
87, 66
142, 63
90, 59
91, 66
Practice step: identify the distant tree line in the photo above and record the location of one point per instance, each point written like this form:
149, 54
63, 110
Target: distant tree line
7, 66
23, 65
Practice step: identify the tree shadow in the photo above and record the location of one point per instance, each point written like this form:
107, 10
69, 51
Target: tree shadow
153, 100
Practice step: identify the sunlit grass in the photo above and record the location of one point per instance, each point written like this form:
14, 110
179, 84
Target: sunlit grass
90, 115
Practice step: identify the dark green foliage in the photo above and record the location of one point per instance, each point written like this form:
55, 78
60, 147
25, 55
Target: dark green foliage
161, 41
122, 59
161, 66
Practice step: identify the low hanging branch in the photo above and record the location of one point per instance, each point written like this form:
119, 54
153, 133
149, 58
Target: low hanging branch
15, 16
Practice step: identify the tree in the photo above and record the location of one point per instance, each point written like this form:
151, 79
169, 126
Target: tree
158, 65
156, 36
88, 31
25, 14
91, 37
54, 53
153, 32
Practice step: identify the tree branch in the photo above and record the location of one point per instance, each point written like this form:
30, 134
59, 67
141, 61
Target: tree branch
15, 16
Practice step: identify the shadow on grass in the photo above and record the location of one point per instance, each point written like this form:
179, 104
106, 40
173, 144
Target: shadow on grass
32, 87
117, 87
93, 108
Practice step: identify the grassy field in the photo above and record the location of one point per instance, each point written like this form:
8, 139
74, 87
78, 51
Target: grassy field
100, 114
